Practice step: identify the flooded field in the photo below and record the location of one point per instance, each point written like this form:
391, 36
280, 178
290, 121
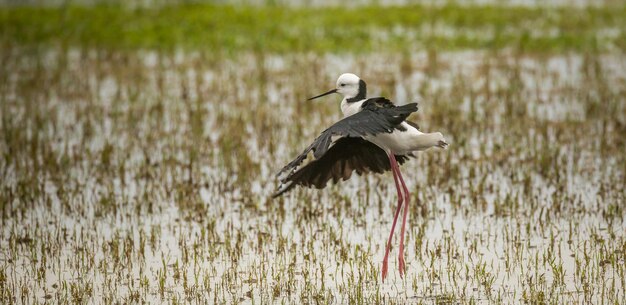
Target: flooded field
146, 177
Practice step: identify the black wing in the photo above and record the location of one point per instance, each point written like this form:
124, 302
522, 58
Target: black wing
378, 115
344, 157
371, 120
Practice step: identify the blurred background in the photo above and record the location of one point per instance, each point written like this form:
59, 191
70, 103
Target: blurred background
139, 142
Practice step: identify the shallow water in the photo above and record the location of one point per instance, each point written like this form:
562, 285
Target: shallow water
146, 177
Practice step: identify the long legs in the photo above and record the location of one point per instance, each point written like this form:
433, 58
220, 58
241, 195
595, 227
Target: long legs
402, 198
392, 160
407, 199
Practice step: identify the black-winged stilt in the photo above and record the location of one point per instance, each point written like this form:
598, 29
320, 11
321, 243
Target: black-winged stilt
373, 136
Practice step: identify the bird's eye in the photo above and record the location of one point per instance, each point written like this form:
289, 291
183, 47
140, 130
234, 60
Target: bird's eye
342, 85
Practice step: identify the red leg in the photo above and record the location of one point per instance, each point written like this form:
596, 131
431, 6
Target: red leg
394, 165
407, 198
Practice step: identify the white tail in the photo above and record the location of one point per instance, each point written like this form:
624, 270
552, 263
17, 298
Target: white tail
427, 140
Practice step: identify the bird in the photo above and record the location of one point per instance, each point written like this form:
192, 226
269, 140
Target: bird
374, 136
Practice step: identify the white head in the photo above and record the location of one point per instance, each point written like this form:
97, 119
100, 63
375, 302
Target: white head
350, 86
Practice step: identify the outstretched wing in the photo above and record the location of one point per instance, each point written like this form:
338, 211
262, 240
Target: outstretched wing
344, 157
369, 121
378, 116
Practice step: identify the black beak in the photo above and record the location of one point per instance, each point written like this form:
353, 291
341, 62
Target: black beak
327, 93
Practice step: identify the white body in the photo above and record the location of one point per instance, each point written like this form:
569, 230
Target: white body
398, 142
405, 142
349, 109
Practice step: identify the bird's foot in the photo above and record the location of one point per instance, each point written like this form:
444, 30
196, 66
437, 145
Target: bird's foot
385, 267
442, 144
